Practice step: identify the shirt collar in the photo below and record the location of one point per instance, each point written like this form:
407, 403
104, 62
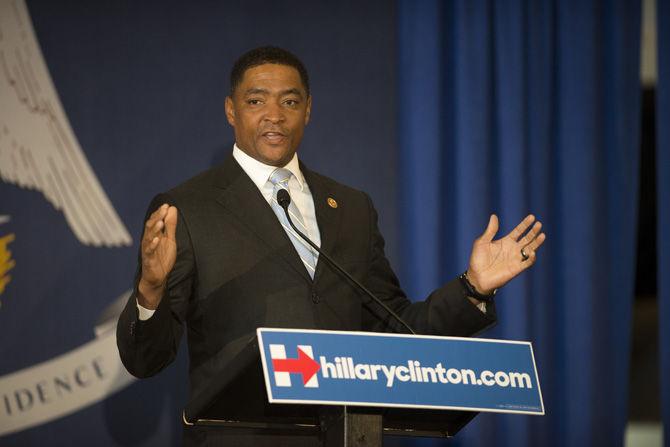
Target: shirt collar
260, 172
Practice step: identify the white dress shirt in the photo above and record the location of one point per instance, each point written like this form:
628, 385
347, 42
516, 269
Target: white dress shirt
301, 196
298, 188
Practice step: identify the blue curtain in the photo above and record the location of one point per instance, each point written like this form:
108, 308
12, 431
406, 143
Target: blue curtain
530, 106
663, 200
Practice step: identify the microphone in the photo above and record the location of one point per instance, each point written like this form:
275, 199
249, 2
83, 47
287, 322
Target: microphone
284, 200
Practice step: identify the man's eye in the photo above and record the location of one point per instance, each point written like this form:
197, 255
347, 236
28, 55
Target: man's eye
253, 102
291, 102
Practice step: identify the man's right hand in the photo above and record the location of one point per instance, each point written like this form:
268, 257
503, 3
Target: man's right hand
159, 252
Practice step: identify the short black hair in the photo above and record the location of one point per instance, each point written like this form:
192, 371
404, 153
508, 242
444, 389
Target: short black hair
266, 55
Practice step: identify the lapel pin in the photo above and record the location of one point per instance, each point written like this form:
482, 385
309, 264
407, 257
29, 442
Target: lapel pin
332, 202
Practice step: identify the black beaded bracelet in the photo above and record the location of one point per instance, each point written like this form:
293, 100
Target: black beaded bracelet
472, 292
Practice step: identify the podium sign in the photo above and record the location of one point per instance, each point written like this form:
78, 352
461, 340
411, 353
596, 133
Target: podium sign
394, 370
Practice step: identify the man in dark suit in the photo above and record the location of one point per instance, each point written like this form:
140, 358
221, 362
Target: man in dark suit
216, 256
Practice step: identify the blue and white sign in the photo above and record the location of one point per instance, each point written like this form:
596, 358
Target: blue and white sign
394, 370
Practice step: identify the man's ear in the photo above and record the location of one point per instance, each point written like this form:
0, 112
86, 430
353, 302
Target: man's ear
230, 111
308, 111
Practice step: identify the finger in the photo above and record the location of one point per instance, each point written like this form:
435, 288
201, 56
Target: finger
520, 229
151, 223
150, 248
171, 222
491, 229
158, 214
531, 250
532, 234
537, 242
532, 257
527, 257
150, 232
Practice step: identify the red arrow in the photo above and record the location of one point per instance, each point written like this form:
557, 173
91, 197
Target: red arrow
304, 365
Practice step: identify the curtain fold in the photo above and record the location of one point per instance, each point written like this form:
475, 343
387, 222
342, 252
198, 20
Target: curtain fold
663, 201
530, 106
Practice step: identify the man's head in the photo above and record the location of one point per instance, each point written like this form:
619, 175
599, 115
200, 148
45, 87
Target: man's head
269, 104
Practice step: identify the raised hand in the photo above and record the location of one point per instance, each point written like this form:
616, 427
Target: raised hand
494, 263
159, 253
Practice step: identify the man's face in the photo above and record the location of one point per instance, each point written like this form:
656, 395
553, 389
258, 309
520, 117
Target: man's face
269, 110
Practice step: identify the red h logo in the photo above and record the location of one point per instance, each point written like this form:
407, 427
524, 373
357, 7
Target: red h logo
304, 365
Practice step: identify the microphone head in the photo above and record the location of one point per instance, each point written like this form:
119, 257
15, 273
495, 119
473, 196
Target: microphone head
283, 198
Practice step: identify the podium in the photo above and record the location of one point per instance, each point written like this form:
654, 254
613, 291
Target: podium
240, 400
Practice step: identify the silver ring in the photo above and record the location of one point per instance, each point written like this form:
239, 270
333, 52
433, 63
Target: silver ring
524, 256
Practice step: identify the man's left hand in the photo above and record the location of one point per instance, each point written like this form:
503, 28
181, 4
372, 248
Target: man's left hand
494, 263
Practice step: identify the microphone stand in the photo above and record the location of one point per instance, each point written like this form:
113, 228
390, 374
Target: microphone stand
284, 200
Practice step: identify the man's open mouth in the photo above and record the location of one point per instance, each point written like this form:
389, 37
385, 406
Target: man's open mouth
273, 137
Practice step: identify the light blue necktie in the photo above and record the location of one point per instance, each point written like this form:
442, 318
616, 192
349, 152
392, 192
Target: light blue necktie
279, 178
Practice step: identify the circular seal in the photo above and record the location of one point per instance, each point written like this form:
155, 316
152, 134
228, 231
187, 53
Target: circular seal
332, 202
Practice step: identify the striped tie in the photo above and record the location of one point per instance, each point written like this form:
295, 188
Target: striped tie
279, 178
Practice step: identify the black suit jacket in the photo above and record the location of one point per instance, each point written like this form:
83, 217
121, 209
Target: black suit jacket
237, 270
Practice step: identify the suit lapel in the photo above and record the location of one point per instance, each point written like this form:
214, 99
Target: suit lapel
327, 216
241, 198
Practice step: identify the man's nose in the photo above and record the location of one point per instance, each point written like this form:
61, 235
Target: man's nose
274, 113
